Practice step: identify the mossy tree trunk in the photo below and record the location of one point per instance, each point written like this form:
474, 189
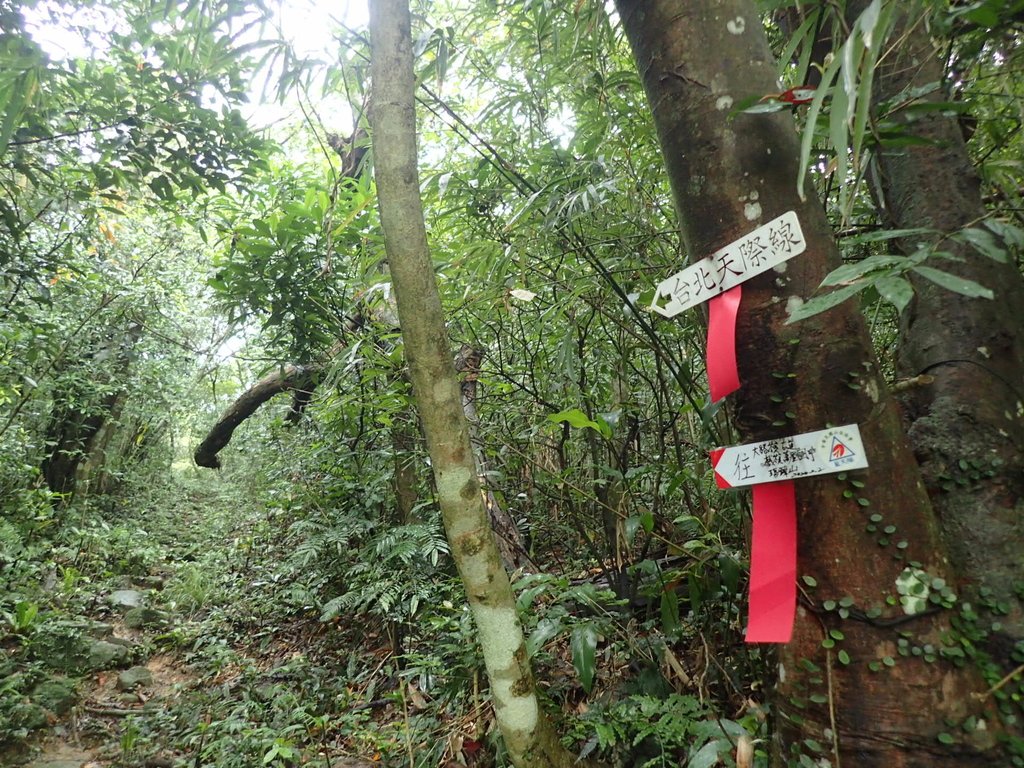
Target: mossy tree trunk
82, 411
528, 734
728, 176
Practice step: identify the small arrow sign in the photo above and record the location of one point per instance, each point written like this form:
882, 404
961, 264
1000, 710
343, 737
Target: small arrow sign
767, 246
813, 453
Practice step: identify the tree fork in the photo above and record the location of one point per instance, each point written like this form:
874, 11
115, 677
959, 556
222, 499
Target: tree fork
729, 174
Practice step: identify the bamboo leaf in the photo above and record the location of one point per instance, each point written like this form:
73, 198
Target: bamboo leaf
827, 79
888, 234
802, 38
868, 22
1011, 235
847, 273
896, 290
984, 242
838, 134
820, 304
954, 283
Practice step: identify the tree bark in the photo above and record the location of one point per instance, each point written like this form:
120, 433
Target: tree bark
78, 419
301, 379
404, 477
728, 176
966, 423
528, 734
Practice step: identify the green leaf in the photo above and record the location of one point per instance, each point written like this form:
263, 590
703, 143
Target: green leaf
983, 15
888, 234
803, 38
1010, 234
583, 643
838, 124
546, 629
820, 304
669, 612
824, 87
869, 20
984, 242
635, 523
954, 283
847, 273
577, 418
896, 290
707, 755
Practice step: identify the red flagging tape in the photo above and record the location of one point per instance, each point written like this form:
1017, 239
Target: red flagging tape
716, 456
723, 377
773, 564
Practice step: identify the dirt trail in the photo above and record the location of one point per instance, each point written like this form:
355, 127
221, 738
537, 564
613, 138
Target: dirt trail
114, 705
93, 735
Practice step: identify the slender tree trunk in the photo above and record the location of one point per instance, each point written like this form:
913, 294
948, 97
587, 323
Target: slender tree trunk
405, 478
966, 422
728, 176
613, 495
507, 534
529, 736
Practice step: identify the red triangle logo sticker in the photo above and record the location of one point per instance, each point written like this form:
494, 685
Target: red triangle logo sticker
839, 450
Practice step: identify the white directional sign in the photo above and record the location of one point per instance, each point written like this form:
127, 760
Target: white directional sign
812, 453
777, 241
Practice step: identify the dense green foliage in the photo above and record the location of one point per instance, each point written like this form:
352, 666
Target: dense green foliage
158, 256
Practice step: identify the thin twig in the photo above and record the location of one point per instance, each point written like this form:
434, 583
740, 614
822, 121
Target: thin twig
1000, 684
832, 706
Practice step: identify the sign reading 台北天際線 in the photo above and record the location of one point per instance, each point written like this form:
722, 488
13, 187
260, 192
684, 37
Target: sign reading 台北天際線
813, 453
777, 241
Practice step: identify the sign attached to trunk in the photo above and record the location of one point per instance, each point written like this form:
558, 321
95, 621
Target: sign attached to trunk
813, 453
767, 246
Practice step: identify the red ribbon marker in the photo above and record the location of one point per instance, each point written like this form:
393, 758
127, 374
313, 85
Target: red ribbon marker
794, 96
723, 376
772, 603
773, 564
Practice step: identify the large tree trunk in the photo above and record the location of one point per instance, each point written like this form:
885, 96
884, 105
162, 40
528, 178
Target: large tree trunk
79, 419
528, 734
728, 176
965, 422
93, 475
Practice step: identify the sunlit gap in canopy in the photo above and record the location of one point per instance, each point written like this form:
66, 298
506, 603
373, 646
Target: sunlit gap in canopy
311, 28
72, 31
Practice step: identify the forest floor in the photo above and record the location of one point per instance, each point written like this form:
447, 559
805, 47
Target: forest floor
190, 625
207, 668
